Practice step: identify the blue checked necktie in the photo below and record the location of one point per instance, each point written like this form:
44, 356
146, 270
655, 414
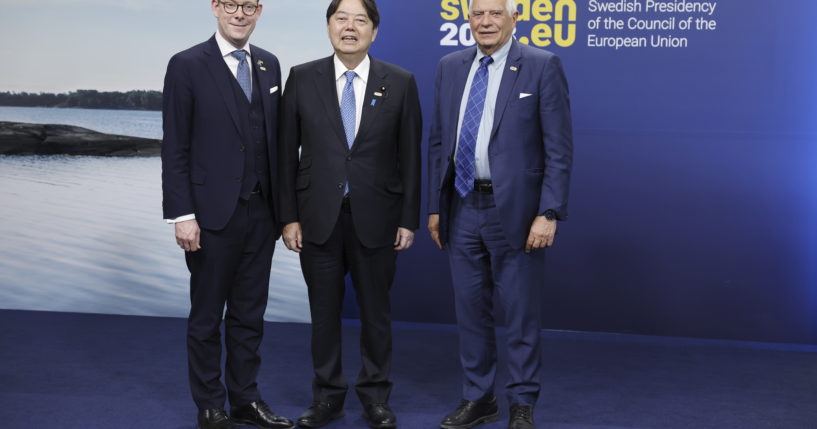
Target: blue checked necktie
243, 74
347, 112
347, 108
464, 163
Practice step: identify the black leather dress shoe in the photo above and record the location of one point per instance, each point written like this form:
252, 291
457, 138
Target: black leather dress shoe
320, 414
469, 414
379, 416
259, 415
521, 417
214, 418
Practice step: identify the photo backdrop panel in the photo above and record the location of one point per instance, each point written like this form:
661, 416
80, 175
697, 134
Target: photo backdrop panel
693, 197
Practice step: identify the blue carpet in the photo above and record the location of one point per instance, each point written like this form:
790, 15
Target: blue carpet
65, 370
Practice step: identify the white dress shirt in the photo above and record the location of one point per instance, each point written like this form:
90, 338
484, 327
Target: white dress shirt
232, 63
359, 84
495, 71
227, 53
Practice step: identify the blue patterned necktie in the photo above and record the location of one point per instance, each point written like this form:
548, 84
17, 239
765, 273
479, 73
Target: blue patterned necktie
347, 108
243, 73
465, 163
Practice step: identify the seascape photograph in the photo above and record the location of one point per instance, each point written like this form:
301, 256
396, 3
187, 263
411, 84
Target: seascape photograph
82, 227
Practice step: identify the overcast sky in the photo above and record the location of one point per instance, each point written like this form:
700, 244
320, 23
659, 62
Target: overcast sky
119, 45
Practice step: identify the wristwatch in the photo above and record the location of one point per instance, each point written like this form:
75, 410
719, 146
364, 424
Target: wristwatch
550, 215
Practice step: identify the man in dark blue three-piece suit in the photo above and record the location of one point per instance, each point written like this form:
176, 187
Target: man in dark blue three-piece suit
350, 200
500, 155
219, 151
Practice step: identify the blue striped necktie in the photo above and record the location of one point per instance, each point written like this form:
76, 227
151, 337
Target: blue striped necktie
465, 163
243, 73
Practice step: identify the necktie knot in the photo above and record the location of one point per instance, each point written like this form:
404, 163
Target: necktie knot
485, 61
240, 55
350, 76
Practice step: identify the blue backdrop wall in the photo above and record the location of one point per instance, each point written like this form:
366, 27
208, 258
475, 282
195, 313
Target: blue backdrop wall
694, 194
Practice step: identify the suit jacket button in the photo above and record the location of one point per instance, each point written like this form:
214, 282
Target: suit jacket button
340, 185
238, 180
242, 149
349, 158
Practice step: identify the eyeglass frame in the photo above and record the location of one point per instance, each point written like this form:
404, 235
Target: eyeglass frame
239, 6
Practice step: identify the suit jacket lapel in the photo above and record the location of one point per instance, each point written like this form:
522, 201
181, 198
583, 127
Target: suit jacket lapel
512, 67
221, 75
376, 81
327, 90
460, 75
264, 85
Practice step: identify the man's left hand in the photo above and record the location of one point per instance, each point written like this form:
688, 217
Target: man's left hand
404, 239
542, 234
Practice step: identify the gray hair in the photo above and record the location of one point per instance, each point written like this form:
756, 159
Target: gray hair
510, 6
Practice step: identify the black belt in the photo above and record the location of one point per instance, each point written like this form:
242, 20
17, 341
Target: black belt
483, 186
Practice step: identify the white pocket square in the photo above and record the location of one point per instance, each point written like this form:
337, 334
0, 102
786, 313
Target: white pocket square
273, 90
524, 94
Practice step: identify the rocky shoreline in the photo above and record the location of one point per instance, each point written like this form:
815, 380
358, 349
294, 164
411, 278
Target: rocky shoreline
17, 138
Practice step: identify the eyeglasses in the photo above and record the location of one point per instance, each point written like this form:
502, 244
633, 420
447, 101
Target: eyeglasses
248, 8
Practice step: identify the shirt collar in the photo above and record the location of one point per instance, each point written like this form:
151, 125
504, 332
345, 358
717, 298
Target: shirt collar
362, 69
226, 48
498, 56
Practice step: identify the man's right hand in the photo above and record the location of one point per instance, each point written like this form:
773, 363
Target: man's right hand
188, 235
293, 237
434, 229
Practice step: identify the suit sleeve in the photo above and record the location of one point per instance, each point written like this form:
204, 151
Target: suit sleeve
177, 117
557, 130
435, 165
411, 134
289, 142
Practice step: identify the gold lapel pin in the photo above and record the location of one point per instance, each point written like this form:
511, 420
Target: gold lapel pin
513, 68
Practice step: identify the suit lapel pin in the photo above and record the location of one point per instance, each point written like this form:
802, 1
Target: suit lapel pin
513, 68
261, 65
378, 94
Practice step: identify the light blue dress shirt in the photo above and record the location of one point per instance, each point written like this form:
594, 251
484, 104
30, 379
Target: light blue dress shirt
495, 70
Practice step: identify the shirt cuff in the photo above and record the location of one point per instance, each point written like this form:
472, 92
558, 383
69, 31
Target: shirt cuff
181, 218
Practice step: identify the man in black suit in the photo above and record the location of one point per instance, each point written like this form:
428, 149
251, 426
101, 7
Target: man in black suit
219, 112
351, 200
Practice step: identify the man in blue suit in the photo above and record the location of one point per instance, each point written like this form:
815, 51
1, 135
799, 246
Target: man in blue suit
500, 155
219, 150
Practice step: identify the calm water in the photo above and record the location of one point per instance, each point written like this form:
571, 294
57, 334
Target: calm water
135, 123
86, 234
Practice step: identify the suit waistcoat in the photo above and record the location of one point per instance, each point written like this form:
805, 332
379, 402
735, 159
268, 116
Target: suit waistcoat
256, 154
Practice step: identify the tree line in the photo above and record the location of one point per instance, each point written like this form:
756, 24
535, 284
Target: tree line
87, 99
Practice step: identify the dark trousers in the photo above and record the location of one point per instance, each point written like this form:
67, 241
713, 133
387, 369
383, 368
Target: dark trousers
233, 268
372, 271
483, 261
